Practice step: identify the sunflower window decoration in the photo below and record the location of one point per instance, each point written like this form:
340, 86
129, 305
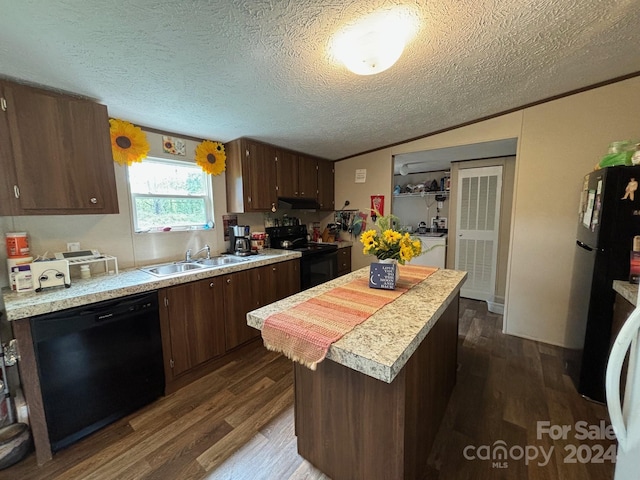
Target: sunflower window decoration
211, 157
128, 143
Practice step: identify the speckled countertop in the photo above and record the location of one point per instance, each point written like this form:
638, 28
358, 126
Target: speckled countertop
628, 290
128, 282
383, 344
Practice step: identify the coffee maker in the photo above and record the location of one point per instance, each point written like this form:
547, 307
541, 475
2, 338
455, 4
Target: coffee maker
239, 243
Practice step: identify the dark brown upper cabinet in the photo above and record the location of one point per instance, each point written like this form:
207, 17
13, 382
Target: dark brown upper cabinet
296, 175
258, 173
326, 188
55, 154
250, 176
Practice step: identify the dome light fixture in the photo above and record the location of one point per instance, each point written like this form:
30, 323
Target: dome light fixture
376, 42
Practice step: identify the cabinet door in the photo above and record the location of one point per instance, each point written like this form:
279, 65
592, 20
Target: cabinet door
241, 295
344, 260
9, 204
287, 173
261, 172
326, 185
279, 280
307, 177
196, 327
62, 152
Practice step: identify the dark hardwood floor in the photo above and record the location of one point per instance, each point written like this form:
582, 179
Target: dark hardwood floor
237, 423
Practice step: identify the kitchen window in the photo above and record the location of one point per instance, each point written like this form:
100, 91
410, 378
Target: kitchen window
167, 194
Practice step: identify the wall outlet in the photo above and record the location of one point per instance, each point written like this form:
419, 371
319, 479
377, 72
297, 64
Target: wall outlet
73, 246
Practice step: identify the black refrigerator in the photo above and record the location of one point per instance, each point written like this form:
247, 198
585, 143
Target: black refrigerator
609, 219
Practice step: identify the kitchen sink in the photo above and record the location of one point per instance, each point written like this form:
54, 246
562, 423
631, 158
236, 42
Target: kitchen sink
218, 261
172, 268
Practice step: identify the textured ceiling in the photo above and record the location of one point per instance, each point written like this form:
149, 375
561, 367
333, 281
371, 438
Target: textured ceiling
221, 70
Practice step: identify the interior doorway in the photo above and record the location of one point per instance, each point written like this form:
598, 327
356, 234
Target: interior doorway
477, 230
458, 158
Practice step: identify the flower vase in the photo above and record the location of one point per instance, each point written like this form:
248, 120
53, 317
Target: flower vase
381, 276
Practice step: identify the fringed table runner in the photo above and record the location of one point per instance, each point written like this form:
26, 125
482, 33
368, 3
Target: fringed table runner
305, 332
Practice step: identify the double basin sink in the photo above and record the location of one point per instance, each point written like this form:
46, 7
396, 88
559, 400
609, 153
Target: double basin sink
173, 268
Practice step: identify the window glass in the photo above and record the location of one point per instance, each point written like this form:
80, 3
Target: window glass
167, 193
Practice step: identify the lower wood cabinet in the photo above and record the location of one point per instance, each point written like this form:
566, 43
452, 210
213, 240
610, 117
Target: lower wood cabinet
344, 261
279, 281
192, 315
241, 295
202, 321
255, 288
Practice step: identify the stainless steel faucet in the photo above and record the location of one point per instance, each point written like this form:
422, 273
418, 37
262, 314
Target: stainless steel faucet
189, 256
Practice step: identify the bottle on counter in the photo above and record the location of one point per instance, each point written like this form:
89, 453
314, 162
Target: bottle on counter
85, 271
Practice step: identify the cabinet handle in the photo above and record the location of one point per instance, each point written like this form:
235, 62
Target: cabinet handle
211, 285
16, 191
94, 200
228, 280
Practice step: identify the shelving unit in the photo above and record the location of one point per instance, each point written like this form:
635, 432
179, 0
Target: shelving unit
102, 258
421, 194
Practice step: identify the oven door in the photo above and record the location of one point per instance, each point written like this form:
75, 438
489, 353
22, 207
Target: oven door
318, 268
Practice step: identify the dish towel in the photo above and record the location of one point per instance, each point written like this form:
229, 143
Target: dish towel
305, 332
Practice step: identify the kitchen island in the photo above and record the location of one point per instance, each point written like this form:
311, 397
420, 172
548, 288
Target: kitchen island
372, 408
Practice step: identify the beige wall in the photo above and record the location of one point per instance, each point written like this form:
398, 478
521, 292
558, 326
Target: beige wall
558, 143
379, 165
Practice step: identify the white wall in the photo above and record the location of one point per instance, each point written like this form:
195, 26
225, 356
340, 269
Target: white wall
558, 142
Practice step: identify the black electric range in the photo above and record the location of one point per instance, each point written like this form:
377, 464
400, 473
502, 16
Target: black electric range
297, 236
319, 261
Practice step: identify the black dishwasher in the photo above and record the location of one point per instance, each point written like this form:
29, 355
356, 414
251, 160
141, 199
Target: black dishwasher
97, 363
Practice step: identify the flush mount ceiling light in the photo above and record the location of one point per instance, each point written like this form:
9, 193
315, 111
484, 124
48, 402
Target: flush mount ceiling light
374, 43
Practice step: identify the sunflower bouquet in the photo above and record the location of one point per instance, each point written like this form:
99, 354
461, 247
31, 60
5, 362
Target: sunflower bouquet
389, 243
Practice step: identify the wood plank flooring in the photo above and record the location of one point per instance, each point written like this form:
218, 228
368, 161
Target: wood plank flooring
237, 422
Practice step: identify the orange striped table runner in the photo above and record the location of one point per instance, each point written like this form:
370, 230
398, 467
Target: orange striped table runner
305, 332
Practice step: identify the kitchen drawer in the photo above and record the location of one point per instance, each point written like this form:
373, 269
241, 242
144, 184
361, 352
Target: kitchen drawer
344, 261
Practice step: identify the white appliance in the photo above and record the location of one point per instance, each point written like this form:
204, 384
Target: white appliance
625, 418
436, 254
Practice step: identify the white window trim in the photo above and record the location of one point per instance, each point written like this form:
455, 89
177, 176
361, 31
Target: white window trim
208, 199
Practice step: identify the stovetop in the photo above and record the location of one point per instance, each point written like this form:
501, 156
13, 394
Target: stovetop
298, 235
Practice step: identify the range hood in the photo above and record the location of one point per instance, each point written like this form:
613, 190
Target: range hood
295, 203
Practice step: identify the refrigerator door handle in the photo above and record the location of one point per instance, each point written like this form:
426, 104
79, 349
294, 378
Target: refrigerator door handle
625, 423
584, 245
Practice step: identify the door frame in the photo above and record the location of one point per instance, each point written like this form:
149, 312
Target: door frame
509, 165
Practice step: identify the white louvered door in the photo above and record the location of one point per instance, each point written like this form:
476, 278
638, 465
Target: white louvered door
478, 221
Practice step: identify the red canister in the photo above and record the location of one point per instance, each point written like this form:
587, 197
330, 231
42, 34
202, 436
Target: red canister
17, 244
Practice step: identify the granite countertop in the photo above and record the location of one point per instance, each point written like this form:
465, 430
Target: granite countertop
127, 282
628, 290
383, 344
